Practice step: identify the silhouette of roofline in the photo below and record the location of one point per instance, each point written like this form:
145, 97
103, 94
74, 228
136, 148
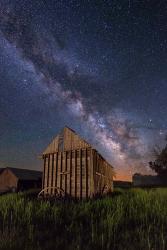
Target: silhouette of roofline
90, 146
24, 174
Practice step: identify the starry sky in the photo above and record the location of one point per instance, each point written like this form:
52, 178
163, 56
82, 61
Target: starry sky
99, 67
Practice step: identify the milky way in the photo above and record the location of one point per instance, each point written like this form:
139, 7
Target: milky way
98, 68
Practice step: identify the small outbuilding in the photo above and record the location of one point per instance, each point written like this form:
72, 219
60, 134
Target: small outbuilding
122, 184
140, 180
16, 179
72, 167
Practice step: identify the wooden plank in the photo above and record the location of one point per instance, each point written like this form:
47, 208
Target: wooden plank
70, 171
56, 169
83, 169
54, 173
80, 157
94, 169
52, 169
52, 147
43, 175
66, 174
60, 169
86, 167
91, 173
73, 175
75, 172
48, 173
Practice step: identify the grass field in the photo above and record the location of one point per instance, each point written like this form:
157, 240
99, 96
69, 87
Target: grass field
132, 219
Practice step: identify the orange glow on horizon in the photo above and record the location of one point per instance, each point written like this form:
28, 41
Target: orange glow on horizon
123, 177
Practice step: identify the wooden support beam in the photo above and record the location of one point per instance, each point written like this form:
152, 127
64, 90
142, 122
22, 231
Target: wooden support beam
43, 175
65, 172
80, 161
51, 170
60, 169
48, 172
91, 173
86, 168
75, 172
70, 170
56, 170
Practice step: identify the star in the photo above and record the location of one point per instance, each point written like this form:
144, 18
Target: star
98, 68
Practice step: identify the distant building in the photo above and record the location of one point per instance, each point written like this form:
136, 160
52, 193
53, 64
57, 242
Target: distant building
140, 180
74, 168
122, 184
16, 179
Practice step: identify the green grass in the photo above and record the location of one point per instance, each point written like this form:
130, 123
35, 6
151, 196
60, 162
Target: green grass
131, 219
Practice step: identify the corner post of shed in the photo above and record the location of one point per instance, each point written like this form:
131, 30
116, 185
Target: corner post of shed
92, 187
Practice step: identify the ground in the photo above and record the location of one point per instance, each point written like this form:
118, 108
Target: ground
128, 219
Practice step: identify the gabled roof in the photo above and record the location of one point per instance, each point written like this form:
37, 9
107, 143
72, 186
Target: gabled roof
67, 139
25, 174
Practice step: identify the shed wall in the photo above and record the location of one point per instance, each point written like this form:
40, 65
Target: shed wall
103, 175
80, 173
70, 171
7, 180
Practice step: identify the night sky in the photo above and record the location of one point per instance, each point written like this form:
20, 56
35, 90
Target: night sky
99, 67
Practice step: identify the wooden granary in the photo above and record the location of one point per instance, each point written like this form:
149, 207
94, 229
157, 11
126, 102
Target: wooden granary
72, 167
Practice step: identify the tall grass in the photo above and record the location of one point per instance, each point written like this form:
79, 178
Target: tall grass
134, 219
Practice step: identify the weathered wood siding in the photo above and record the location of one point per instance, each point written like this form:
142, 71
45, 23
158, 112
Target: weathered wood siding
72, 165
103, 175
66, 140
70, 171
7, 180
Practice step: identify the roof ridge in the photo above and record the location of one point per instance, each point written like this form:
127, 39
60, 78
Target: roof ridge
23, 169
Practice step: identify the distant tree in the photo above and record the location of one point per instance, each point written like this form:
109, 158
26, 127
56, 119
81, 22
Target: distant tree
160, 163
